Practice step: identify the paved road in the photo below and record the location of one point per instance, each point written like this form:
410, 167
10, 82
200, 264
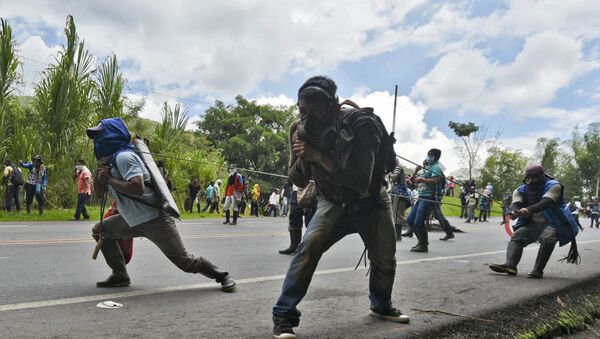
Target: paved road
47, 285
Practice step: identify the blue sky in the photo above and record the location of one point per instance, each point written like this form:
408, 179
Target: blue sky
528, 68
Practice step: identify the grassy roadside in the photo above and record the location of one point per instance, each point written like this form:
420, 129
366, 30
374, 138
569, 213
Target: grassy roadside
562, 313
450, 208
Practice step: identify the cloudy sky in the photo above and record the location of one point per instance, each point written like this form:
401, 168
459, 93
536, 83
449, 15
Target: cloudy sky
526, 68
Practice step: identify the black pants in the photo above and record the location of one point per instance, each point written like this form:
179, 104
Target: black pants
82, 199
39, 197
254, 207
594, 216
297, 212
13, 193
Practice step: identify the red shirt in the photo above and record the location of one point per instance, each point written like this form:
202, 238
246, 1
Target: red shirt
83, 185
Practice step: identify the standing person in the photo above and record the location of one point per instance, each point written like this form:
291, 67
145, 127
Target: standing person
575, 208
295, 220
13, 180
450, 187
484, 205
84, 189
216, 197
286, 194
349, 175
463, 202
436, 211
400, 197
208, 193
429, 179
274, 203
124, 173
542, 216
506, 202
233, 195
255, 200
193, 189
594, 212
472, 199
36, 183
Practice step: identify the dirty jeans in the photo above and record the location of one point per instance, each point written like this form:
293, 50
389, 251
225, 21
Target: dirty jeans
330, 224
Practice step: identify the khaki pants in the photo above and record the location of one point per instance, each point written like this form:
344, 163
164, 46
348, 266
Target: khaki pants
161, 231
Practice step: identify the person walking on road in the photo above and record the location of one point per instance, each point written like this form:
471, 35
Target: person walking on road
429, 180
208, 194
84, 189
349, 174
542, 216
594, 212
125, 175
216, 200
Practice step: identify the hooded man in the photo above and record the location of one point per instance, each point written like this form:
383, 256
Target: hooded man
344, 151
128, 179
542, 216
233, 195
429, 180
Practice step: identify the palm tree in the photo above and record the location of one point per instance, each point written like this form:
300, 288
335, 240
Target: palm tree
109, 99
9, 62
169, 130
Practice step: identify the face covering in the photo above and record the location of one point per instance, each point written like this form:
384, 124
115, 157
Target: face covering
79, 167
429, 160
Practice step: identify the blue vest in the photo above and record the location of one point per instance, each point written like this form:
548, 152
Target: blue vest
558, 215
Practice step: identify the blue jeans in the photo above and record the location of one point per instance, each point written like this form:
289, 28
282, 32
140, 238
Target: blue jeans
417, 216
330, 224
82, 199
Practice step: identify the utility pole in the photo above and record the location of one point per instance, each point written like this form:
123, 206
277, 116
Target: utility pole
394, 119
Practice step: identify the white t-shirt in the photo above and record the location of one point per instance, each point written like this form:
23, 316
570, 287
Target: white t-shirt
274, 199
129, 165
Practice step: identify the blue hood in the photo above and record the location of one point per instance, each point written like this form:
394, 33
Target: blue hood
112, 139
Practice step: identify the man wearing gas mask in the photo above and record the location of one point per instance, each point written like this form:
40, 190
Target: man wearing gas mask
343, 151
542, 216
428, 182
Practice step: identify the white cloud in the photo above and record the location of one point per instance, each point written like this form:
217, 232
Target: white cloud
34, 48
219, 47
281, 100
467, 80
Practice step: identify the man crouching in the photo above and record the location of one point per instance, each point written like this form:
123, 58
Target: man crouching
125, 174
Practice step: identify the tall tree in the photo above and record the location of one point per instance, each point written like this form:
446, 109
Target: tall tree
251, 136
171, 128
504, 169
548, 153
471, 138
108, 98
9, 77
586, 152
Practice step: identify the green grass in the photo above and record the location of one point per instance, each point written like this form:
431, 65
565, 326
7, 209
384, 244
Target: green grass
448, 208
94, 211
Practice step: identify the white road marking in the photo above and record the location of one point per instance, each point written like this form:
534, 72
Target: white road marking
78, 300
13, 226
4, 257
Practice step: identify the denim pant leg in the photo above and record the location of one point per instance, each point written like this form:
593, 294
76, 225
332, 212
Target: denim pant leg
324, 230
8, 200
437, 214
80, 205
378, 233
417, 216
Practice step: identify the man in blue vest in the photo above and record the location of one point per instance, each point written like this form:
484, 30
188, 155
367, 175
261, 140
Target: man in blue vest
542, 215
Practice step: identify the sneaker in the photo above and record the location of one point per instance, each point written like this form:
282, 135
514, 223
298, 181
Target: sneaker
392, 315
420, 248
114, 281
447, 237
227, 284
502, 268
282, 329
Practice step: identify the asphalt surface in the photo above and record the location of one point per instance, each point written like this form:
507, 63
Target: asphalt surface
47, 283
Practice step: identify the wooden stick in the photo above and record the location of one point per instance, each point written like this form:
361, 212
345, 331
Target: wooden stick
453, 314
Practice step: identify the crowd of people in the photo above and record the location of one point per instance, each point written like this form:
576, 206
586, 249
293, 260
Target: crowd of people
344, 178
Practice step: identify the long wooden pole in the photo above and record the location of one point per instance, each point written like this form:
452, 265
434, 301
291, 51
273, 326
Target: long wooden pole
394, 119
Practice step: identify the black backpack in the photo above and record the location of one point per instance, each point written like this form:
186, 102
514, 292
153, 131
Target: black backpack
17, 177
